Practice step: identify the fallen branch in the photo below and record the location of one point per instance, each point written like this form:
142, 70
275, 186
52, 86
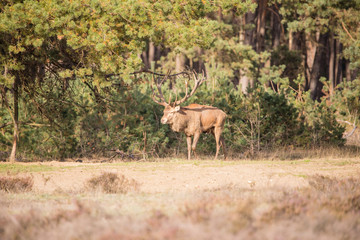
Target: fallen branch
351, 124
124, 155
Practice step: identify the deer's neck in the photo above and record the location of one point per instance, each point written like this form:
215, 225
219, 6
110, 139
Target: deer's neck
180, 123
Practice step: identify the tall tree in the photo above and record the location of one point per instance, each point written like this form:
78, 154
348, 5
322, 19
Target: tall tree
95, 41
325, 25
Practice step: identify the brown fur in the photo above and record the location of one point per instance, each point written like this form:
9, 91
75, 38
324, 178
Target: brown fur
194, 120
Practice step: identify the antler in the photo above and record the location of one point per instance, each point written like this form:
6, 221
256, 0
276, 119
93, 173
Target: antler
197, 83
160, 97
158, 86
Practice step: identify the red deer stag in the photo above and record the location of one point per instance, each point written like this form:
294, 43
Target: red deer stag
193, 119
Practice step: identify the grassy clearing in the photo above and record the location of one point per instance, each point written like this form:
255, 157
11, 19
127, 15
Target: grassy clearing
21, 168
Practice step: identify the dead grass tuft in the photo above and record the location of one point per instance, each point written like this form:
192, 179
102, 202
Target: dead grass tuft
290, 206
16, 184
157, 226
32, 223
198, 211
112, 183
243, 214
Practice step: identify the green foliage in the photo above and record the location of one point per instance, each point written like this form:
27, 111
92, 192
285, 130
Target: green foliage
280, 119
78, 97
338, 16
290, 59
262, 119
348, 100
129, 121
320, 124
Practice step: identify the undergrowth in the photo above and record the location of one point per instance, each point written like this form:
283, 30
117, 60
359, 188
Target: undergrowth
16, 184
111, 183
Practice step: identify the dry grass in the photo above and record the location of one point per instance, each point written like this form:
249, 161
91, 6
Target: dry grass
16, 184
339, 197
293, 153
112, 183
326, 207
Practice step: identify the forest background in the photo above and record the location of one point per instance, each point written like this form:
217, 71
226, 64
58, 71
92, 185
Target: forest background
72, 79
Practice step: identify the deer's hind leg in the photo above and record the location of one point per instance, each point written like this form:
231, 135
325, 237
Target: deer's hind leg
222, 141
195, 140
217, 134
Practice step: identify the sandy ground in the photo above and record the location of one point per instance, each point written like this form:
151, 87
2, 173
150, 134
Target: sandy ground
157, 177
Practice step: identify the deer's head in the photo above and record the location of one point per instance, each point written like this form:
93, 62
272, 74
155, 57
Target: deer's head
172, 108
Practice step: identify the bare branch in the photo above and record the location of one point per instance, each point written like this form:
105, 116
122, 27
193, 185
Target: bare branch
158, 74
4, 125
158, 86
343, 25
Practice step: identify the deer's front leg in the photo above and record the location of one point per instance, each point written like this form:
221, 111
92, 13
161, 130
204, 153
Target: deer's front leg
188, 140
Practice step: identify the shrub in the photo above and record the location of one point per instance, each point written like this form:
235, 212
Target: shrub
112, 183
16, 184
319, 124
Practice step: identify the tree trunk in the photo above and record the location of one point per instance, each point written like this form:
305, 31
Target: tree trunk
220, 15
199, 65
152, 51
276, 28
347, 70
15, 118
244, 82
258, 43
180, 62
338, 63
247, 37
331, 63
276, 36
291, 40
144, 57
310, 50
260, 26
319, 67
296, 40
293, 46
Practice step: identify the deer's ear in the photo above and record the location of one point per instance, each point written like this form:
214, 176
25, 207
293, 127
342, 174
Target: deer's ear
177, 108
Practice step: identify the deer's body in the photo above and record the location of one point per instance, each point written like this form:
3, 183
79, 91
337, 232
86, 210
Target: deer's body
197, 118
193, 120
